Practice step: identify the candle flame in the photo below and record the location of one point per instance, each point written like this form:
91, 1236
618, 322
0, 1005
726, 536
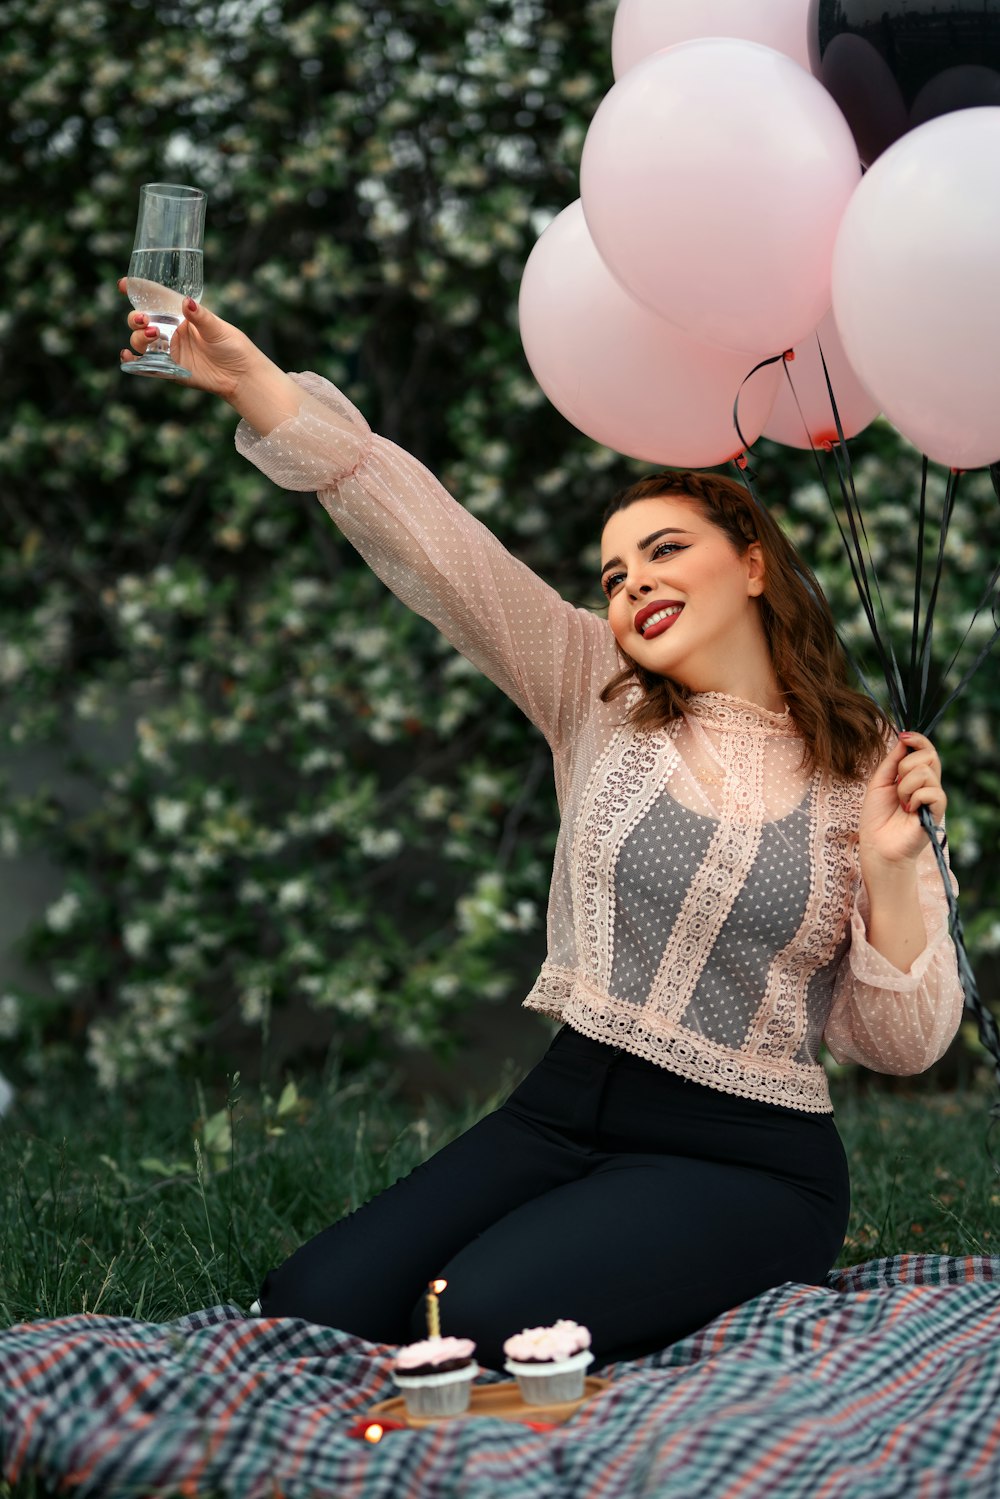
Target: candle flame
373, 1433
437, 1286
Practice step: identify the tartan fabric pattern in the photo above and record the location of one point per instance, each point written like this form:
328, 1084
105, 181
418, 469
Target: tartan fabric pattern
883, 1382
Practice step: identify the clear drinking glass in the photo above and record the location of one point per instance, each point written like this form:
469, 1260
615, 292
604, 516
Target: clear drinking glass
166, 266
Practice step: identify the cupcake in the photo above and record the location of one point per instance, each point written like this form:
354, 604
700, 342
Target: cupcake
549, 1363
436, 1375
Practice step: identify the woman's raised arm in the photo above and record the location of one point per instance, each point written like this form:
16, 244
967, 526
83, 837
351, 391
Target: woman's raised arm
224, 361
551, 658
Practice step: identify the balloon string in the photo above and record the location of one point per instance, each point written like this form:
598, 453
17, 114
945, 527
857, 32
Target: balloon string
909, 702
842, 459
918, 590
951, 490
746, 446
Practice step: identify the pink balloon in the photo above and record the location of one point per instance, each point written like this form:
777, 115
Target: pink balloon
622, 375
714, 178
645, 26
915, 286
814, 424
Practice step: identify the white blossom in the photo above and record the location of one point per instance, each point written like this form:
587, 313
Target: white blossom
13, 663
382, 730
101, 1057
484, 786
371, 644
304, 951
381, 843
457, 667
61, 915
321, 759
313, 712
254, 1003
170, 816
293, 895
136, 937
551, 482
10, 1017
432, 804
346, 921
184, 954
359, 1003
307, 591
526, 914
811, 499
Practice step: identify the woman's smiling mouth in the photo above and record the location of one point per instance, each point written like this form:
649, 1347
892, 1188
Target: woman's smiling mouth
657, 620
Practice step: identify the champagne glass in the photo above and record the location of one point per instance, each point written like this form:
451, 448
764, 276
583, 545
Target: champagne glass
166, 267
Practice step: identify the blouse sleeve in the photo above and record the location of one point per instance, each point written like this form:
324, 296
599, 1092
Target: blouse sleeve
548, 656
892, 1021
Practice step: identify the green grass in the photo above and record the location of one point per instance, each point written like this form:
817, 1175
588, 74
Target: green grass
154, 1205
151, 1206
922, 1181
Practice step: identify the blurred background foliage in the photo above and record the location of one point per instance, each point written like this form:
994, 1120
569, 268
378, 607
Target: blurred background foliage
308, 822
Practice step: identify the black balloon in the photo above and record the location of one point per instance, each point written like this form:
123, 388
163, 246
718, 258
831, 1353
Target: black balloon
893, 64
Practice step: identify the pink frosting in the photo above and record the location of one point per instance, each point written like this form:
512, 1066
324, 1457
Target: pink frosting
434, 1351
560, 1341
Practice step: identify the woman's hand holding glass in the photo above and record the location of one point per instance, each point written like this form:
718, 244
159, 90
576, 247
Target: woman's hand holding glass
217, 354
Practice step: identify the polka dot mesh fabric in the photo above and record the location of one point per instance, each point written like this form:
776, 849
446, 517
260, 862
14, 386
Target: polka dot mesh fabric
706, 909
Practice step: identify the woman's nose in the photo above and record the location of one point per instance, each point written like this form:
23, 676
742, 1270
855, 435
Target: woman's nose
639, 582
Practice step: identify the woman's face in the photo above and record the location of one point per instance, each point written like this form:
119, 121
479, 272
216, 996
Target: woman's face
680, 599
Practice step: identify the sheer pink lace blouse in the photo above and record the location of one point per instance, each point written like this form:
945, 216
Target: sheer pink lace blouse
706, 909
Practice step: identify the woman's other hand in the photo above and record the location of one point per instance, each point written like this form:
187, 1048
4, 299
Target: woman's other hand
890, 832
218, 355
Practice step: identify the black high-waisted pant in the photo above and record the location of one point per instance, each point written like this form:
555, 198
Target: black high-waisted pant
605, 1189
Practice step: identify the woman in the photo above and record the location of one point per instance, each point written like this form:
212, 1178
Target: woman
740, 873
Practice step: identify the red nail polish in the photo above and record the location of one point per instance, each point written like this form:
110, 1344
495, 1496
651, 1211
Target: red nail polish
190, 305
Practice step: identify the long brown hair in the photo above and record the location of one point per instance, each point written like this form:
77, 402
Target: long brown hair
843, 729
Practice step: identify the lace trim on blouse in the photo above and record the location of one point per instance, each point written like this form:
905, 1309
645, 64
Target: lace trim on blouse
567, 996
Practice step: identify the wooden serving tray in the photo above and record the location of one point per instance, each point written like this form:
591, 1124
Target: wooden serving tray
502, 1400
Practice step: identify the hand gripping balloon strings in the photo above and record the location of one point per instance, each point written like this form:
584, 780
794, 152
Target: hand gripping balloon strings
909, 707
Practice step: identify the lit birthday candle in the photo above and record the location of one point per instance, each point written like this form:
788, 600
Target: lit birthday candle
433, 1308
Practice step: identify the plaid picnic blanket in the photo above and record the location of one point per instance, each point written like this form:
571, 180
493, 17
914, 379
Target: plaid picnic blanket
883, 1382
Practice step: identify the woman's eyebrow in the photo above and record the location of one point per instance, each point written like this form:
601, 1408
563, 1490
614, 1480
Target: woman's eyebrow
647, 542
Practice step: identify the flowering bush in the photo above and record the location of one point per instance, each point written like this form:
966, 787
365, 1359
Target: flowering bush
323, 811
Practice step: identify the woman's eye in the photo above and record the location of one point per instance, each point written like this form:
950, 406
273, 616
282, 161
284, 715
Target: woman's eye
613, 579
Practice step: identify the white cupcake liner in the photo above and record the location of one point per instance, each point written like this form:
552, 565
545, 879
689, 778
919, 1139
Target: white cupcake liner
446, 1394
542, 1384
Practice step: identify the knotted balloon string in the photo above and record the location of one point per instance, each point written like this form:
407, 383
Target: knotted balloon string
764, 363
